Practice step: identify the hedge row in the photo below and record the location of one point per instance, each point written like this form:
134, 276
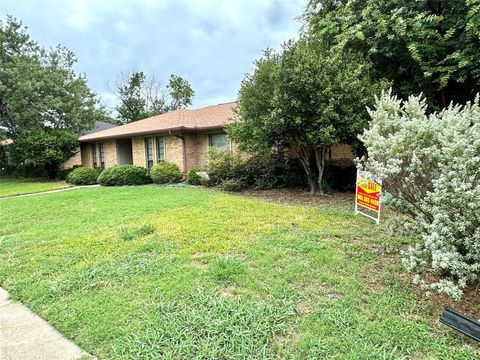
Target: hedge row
120, 175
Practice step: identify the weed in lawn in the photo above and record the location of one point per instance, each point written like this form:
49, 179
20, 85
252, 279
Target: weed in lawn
203, 325
132, 233
227, 269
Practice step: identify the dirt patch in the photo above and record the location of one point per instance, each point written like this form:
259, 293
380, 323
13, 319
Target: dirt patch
228, 291
298, 196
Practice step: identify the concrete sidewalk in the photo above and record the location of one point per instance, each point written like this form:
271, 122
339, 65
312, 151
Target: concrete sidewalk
25, 336
49, 192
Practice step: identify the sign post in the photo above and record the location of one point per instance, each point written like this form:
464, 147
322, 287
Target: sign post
368, 190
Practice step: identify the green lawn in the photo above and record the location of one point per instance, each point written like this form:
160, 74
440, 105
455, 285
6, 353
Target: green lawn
181, 273
14, 186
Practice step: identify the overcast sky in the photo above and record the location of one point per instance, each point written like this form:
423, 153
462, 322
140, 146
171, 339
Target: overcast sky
212, 43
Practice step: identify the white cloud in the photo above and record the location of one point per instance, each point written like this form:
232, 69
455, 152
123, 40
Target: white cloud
212, 43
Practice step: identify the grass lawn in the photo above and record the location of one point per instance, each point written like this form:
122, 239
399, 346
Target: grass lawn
184, 273
15, 186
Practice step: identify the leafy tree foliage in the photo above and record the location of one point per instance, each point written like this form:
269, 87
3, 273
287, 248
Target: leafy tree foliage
44, 149
143, 96
428, 46
429, 164
306, 98
39, 88
181, 93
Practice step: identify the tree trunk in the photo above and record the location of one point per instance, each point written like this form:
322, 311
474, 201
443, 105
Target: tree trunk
443, 103
305, 155
320, 161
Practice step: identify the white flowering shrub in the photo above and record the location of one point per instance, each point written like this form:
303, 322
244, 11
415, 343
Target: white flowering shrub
430, 166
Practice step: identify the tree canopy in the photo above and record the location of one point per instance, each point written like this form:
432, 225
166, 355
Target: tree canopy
142, 96
39, 88
305, 98
44, 149
428, 46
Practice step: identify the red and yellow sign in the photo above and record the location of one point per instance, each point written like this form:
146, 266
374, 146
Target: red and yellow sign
368, 192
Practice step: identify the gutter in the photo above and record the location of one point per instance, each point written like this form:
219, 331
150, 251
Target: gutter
86, 138
184, 151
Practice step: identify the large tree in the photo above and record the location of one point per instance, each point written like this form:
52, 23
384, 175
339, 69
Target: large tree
39, 88
142, 96
428, 46
305, 98
44, 149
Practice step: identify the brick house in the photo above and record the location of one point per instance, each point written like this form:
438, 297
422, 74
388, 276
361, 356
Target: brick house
182, 137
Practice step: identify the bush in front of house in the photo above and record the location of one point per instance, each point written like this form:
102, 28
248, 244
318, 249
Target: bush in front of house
193, 178
232, 185
429, 165
260, 171
121, 175
83, 176
165, 173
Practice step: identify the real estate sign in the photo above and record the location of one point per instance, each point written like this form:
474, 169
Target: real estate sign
367, 195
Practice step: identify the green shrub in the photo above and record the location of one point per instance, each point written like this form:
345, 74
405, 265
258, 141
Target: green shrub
232, 185
64, 172
120, 175
193, 178
83, 176
263, 171
165, 173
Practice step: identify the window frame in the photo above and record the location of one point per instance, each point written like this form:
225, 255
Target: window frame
157, 141
147, 152
210, 143
94, 155
101, 155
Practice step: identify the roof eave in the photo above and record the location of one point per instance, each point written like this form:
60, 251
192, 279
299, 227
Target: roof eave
149, 132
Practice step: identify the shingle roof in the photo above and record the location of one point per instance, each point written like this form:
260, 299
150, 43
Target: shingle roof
210, 117
99, 126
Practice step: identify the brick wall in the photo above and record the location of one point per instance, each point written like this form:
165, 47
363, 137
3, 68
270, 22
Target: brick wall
75, 160
341, 151
110, 148
86, 154
196, 145
174, 151
138, 151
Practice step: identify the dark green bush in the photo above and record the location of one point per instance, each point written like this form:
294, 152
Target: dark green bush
165, 173
64, 172
339, 176
120, 175
193, 178
83, 176
232, 185
262, 171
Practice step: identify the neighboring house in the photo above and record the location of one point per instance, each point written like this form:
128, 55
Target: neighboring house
76, 160
182, 137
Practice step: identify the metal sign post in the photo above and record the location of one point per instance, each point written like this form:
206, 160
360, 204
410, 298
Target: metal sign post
368, 190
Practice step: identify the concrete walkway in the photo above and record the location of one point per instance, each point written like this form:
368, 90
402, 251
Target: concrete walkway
26, 336
49, 192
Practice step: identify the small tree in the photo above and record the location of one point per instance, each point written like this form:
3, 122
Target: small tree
430, 165
305, 98
44, 149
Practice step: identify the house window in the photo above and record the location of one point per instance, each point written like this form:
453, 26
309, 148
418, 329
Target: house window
220, 141
149, 152
94, 155
101, 152
160, 148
